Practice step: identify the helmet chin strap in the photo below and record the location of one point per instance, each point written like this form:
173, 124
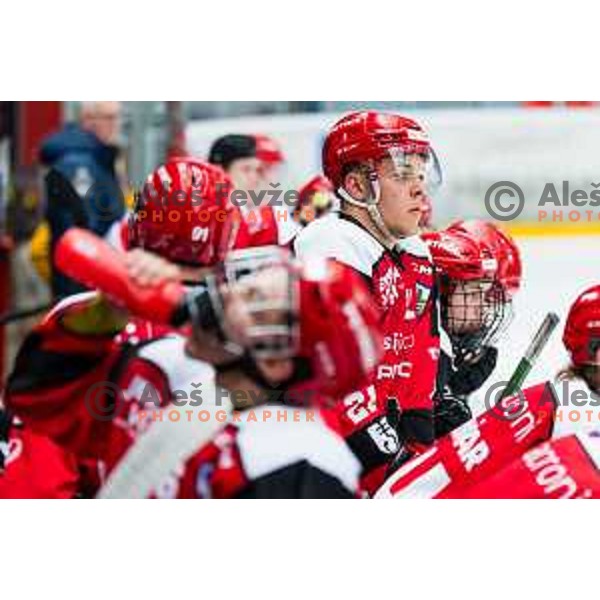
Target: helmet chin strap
372, 207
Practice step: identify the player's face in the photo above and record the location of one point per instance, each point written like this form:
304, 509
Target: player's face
107, 122
257, 312
246, 173
276, 371
468, 306
255, 316
402, 199
271, 172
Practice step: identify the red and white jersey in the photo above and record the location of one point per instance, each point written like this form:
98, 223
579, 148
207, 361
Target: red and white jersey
477, 449
257, 227
34, 467
93, 396
272, 451
403, 283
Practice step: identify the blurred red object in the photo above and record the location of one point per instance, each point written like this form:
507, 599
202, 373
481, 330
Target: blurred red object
35, 120
552, 104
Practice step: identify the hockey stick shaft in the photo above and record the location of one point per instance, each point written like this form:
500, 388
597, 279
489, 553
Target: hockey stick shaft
527, 362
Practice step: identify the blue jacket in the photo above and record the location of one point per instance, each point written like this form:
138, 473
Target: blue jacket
89, 195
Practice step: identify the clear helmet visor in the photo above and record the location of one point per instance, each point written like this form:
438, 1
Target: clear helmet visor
423, 166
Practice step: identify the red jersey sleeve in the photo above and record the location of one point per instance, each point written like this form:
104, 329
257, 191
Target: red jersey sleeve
55, 371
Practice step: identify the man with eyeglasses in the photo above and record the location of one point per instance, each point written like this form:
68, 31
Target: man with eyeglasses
82, 187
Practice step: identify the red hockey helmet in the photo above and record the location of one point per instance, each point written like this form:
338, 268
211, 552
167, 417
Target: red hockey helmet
458, 256
182, 212
361, 137
504, 250
316, 185
582, 330
475, 307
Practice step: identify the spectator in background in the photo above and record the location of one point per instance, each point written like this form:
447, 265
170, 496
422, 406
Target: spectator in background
272, 158
239, 155
316, 198
82, 187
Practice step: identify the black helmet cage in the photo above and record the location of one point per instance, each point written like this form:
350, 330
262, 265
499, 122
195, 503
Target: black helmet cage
495, 309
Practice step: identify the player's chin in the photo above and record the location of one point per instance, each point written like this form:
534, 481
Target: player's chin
467, 329
411, 220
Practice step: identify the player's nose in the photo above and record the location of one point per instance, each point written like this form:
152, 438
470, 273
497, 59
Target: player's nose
418, 189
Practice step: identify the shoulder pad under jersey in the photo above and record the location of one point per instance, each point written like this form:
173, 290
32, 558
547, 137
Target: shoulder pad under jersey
340, 239
414, 245
169, 355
